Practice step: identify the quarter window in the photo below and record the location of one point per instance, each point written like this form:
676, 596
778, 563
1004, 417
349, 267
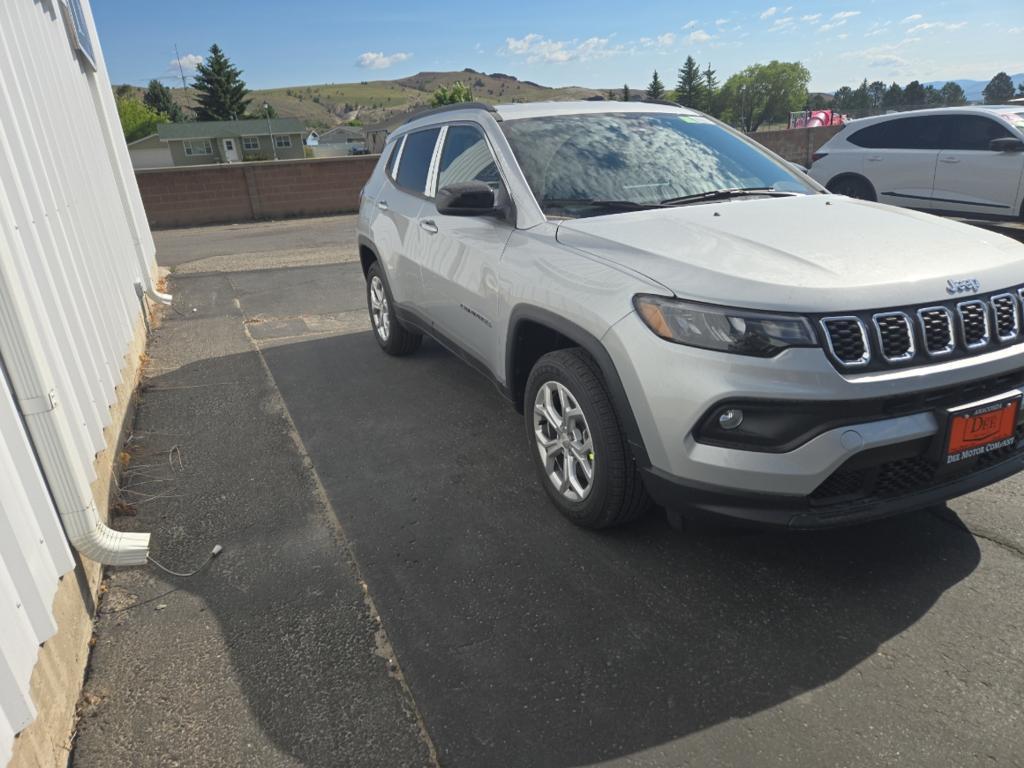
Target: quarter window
396, 150
974, 132
282, 142
415, 163
201, 147
251, 143
466, 157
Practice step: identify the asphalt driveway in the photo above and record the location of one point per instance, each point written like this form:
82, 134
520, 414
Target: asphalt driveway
521, 640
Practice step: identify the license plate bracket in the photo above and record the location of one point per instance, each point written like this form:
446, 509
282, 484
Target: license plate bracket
981, 427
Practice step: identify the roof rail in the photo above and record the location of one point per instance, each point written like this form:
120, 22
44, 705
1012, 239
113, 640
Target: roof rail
663, 102
452, 108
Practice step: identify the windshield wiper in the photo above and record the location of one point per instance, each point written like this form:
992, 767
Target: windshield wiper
724, 194
621, 205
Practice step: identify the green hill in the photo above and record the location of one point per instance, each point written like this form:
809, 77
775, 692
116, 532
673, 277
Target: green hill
389, 101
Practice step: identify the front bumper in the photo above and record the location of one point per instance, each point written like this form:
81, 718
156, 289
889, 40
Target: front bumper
821, 511
856, 471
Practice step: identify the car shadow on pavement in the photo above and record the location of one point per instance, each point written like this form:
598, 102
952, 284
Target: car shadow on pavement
528, 642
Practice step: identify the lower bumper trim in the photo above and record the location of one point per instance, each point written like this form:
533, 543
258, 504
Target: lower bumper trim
797, 512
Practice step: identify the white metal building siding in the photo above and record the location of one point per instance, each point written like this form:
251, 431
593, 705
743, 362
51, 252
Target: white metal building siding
73, 227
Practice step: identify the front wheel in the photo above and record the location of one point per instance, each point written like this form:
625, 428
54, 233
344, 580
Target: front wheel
581, 455
853, 186
393, 337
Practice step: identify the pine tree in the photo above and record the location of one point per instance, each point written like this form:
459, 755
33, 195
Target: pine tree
690, 88
158, 97
999, 89
222, 92
625, 93
655, 90
710, 89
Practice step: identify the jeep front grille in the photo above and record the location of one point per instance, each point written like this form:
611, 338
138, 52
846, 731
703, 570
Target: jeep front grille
918, 335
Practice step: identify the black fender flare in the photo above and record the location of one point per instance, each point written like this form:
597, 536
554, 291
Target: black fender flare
593, 346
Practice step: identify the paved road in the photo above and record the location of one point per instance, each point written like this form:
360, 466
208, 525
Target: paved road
527, 642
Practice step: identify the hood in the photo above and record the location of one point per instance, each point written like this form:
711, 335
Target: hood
813, 253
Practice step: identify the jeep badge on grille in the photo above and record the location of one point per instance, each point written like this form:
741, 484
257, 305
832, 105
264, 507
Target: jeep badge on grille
970, 285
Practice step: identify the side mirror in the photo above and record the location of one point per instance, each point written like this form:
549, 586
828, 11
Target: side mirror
467, 198
1009, 144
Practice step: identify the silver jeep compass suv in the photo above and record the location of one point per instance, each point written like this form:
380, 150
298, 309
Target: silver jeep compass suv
682, 316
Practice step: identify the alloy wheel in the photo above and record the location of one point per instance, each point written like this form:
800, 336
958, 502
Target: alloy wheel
379, 310
564, 441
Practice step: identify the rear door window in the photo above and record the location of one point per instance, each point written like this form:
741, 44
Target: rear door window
974, 132
414, 165
902, 133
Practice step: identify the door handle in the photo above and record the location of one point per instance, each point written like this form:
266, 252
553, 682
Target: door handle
382, 204
428, 226
875, 159
950, 159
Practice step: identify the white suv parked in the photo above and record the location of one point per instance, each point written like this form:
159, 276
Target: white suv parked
964, 161
680, 315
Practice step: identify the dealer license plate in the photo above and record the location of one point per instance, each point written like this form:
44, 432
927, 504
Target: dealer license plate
981, 427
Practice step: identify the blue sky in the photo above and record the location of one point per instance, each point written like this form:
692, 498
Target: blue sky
593, 44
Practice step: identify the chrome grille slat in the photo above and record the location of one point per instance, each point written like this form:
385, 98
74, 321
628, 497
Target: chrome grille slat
847, 340
936, 325
895, 336
1006, 314
974, 323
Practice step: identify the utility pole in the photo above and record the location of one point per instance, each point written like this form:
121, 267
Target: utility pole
184, 85
270, 128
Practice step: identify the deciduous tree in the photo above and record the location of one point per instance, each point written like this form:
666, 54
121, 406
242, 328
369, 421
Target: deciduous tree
999, 89
137, 120
455, 93
765, 93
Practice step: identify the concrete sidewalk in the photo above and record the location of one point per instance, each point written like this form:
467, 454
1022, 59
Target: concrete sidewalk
273, 655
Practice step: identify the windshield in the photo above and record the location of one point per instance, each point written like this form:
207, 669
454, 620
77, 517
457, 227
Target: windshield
573, 161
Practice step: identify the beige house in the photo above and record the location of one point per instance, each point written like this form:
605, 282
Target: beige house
150, 152
232, 141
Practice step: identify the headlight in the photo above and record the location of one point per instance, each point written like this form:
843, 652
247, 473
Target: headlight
740, 331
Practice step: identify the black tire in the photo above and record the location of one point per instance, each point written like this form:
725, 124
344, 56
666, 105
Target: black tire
616, 493
853, 186
393, 337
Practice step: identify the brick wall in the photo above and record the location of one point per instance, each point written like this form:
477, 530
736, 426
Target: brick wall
188, 197
220, 194
797, 144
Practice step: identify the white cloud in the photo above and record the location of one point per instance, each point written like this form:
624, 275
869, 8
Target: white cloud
783, 23
883, 56
377, 59
946, 25
769, 13
537, 48
912, 17
720, 22
845, 15
1015, 30
698, 36
811, 18
690, 24
666, 40
188, 62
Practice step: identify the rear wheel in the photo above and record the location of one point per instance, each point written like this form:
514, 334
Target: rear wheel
853, 186
393, 337
578, 447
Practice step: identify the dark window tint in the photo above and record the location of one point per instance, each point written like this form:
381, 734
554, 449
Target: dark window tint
415, 162
901, 133
395, 149
974, 132
466, 157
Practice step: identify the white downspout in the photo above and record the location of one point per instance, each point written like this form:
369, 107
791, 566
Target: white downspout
22, 353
